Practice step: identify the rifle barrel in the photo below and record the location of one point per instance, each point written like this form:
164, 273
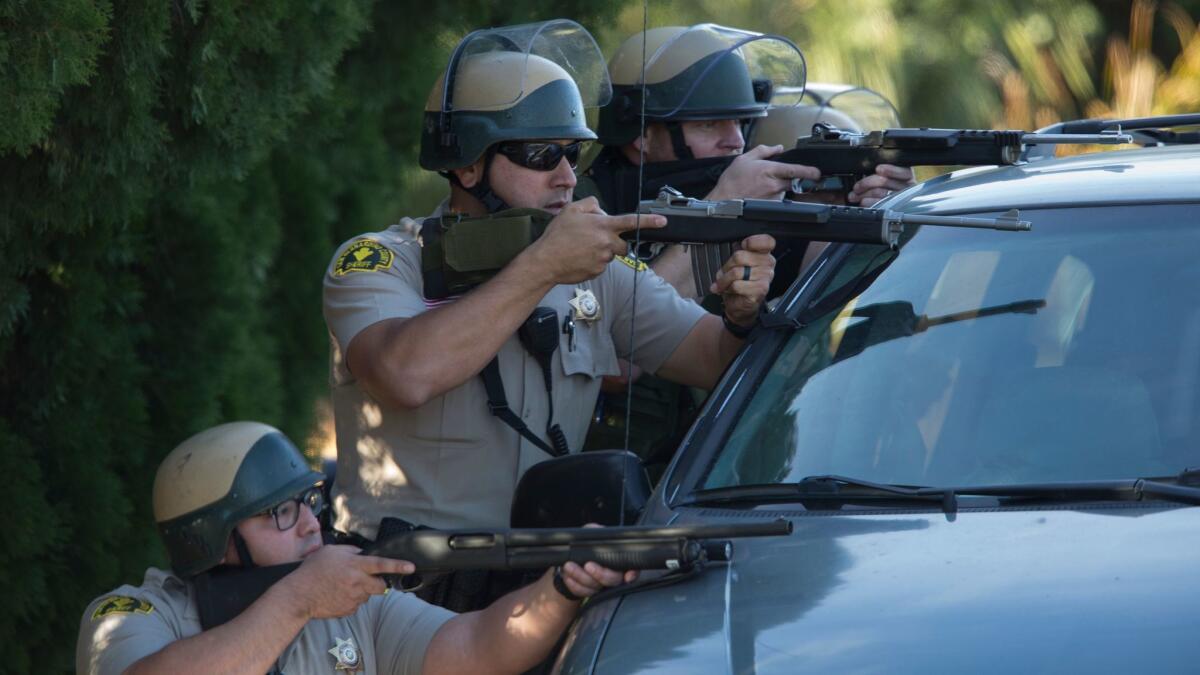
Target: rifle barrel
539, 537
1109, 138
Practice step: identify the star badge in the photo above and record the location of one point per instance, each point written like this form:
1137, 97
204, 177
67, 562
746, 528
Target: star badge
585, 305
346, 653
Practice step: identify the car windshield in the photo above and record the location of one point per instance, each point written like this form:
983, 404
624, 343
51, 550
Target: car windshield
1068, 353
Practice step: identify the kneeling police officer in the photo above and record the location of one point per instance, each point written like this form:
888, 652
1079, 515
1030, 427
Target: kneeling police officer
240, 495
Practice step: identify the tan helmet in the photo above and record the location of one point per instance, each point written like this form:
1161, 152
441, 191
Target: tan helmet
218, 478
701, 72
526, 82
784, 124
846, 106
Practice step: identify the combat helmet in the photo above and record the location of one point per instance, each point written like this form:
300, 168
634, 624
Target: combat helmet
844, 106
527, 82
702, 72
218, 478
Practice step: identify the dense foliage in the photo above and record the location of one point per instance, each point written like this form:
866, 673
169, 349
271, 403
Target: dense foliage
173, 179
175, 175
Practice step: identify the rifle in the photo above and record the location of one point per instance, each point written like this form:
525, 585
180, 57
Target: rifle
846, 157
222, 594
715, 227
460, 253
696, 221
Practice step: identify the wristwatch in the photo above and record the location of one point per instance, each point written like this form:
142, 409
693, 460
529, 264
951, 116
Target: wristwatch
742, 332
561, 586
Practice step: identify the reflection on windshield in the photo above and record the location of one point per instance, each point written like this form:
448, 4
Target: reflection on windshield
1067, 353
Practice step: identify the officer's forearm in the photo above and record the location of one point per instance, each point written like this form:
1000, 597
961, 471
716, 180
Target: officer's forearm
703, 355
407, 362
511, 635
250, 643
675, 267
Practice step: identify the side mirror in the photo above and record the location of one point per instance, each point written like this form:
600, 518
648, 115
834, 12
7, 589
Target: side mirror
574, 490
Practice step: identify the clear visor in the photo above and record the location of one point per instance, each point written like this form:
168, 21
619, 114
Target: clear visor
494, 68
719, 53
870, 109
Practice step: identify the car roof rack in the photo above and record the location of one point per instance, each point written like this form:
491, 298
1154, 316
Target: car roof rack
1146, 131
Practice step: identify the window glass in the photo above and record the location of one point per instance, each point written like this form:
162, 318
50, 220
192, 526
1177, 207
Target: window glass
976, 357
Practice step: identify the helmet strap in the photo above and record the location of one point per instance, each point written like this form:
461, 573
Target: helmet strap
682, 150
243, 551
482, 189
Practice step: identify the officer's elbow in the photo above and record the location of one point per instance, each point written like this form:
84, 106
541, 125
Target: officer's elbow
399, 390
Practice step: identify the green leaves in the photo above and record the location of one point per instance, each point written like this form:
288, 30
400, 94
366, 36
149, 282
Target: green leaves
45, 48
174, 177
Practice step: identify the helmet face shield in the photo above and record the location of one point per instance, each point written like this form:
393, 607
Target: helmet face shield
705, 72
734, 80
867, 107
563, 43
849, 108
527, 82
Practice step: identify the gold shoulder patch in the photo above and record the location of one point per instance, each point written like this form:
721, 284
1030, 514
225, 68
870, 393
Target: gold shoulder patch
364, 255
637, 265
121, 604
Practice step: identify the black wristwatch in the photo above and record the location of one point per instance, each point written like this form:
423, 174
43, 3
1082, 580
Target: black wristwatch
742, 332
561, 586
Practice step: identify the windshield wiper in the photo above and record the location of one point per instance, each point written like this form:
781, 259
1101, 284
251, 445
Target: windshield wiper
1183, 488
825, 489
837, 490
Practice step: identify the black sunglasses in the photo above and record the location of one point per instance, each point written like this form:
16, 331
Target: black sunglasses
540, 155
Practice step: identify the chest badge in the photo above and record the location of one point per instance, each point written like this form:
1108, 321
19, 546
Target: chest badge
346, 653
586, 307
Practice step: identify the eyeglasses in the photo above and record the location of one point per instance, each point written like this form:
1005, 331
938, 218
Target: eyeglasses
540, 155
287, 513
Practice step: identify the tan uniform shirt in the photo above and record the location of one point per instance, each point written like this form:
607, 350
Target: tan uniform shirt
450, 463
390, 633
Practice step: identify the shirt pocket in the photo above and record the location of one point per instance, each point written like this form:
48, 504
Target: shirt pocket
594, 354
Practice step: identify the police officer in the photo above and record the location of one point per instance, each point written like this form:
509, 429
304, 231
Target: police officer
240, 494
416, 436
703, 87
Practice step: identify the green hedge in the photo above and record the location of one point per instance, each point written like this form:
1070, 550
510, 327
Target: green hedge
173, 179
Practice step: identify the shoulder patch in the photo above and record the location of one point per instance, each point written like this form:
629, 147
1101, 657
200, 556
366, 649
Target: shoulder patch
364, 255
121, 604
637, 265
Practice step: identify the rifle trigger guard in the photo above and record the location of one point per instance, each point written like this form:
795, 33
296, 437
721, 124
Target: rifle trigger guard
405, 583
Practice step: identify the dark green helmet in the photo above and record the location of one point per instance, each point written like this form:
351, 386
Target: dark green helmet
702, 72
218, 478
528, 82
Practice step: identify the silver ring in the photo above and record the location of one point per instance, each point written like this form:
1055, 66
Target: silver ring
745, 273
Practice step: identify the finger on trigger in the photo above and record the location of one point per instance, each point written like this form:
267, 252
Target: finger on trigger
379, 565
786, 170
893, 171
761, 151
632, 221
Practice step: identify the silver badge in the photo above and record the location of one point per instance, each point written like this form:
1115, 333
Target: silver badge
585, 305
346, 654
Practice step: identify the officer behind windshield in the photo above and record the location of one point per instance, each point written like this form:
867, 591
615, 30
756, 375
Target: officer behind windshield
417, 438
705, 85
241, 495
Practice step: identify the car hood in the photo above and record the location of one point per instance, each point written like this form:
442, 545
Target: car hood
1114, 587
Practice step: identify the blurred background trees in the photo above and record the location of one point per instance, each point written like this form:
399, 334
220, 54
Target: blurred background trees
174, 177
